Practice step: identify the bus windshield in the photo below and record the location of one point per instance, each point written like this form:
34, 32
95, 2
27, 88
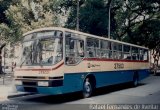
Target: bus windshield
42, 48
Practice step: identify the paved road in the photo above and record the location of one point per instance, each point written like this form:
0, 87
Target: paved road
148, 92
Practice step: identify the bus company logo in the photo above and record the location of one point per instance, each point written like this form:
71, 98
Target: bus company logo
89, 65
92, 65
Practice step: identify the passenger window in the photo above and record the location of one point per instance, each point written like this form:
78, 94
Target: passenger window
105, 49
114, 51
80, 44
145, 55
126, 52
93, 47
117, 50
135, 53
141, 54
120, 53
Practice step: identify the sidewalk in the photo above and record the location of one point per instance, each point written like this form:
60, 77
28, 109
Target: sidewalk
7, 88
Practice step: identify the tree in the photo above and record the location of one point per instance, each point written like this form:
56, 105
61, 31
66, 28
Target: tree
4, 4
93, 17
27, 15
134, 14
128, 19
143, 25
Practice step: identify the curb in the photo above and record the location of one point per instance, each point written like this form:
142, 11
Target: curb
19, 95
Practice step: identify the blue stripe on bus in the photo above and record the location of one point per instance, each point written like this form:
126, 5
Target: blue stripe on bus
74, 81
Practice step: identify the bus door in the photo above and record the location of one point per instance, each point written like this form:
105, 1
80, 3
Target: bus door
74, 51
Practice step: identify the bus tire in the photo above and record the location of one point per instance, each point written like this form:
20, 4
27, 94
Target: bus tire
135, 79
87, 88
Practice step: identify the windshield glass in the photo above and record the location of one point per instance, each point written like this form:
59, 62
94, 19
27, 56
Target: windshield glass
42, 48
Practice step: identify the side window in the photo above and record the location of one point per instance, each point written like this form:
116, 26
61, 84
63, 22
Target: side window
105, 49
117, 51
93, 49
143, 54
135, 53
120, 53
80, 48
126, 52
145, 57
74, 50
67, 43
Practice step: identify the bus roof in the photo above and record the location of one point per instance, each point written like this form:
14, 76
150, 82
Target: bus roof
85, 34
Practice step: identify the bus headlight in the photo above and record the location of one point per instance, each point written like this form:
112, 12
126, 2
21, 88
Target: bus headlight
18, 82
43, 83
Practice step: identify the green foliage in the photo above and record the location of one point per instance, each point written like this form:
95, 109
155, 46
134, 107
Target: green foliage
93, 17
26, 15
148, 33
134, 14
4, 4
131, 21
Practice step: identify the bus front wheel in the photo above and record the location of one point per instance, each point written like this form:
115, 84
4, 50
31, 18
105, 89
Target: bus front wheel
87, 88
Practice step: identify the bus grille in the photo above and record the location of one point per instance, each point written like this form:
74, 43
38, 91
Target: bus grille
30, 83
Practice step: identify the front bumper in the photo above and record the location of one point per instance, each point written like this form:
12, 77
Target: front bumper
51, 86
41, 90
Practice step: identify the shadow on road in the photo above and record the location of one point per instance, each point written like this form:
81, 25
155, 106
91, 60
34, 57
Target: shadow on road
58, 99
55, 99
158, 74
113, 88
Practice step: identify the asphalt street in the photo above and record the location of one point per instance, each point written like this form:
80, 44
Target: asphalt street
148, 92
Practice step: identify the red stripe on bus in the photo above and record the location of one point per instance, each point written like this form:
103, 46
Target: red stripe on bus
114, 60
32, 69
41, 69
58, 66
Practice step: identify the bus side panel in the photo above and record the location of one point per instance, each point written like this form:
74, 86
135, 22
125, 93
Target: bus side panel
73, 82
112, 77
117, 77
143, 74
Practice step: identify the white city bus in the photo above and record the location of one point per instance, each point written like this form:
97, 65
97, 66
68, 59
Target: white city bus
58, 60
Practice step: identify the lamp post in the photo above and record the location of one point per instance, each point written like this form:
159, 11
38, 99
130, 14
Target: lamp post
77, 24
4, 67
109, 20
4, 54
1, 71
